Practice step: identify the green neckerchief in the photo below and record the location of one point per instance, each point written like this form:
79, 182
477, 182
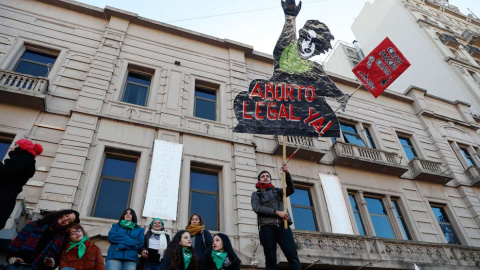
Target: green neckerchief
292, 62
218, 258
127, 224
187, 256
81, 246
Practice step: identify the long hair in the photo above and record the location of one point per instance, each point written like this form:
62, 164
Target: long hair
52, 217
132, 212
227, 247
199, 217
175, 252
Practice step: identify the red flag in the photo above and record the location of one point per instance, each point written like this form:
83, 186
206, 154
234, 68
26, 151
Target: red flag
381, 67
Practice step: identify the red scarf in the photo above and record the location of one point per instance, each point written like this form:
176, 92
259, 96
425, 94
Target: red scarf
260, 185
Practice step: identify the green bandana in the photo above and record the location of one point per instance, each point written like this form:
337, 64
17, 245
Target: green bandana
81, 246
127, 224
187, 256
218, 258
291, 61
161, 221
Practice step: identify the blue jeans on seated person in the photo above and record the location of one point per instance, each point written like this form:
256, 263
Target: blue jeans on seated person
153, 266
120, 265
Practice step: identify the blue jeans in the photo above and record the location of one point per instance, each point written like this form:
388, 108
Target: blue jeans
270, 235
120, 265
19, 267
153, 266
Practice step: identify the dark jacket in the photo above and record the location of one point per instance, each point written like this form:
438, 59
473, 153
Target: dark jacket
266, 201
125, 243
153, 255
14, 174
208, 264
201, 246
91, 260
165, 264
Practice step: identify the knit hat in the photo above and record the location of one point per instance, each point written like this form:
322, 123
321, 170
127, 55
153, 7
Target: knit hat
151, 223
258, 177
26, 145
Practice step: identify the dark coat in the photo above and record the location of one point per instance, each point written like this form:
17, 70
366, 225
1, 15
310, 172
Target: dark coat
208, 264
165, 264
201, 246
14, 174
265, 202
91, 260
125, 243
152, 256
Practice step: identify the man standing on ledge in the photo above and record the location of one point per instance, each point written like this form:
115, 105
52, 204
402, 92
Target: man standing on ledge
268, 204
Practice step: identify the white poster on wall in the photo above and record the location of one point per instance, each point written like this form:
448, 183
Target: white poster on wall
337, 208
162, 191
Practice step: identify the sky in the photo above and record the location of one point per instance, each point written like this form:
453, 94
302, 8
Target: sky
254, 22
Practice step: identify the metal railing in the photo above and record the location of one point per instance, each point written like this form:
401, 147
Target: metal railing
23, 82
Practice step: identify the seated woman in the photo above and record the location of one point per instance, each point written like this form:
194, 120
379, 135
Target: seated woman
126, 239
156, 242
39, 244
80, 253
179, 254
221, 256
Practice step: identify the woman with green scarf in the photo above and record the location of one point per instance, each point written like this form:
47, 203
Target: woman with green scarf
125, 238
80, 253
179, 254
221, 256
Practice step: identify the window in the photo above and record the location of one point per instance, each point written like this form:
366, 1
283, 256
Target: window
379, 217
445, 225
35, 63
467, 156
302, 209
204, 196
5, 143
115, 185
382, 215
356, 213
136, 88
350, 135
370, 138
401, 221
205, 103
407, 148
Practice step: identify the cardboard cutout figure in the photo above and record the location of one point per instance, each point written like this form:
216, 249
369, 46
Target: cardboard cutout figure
292, 101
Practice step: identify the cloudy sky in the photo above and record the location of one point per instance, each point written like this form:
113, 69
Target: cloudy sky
253, 22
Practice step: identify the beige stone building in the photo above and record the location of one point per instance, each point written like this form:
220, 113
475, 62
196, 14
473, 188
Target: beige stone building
97, 87
441, 43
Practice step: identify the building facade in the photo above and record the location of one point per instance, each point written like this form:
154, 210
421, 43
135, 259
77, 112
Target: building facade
97, 87
441, 43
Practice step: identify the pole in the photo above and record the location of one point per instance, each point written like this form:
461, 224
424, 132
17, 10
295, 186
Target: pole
285, 221
320, 135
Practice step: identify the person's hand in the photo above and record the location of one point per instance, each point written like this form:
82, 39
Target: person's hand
145, 253
49, 262
13, 260
282, 214
284, 167
289, 7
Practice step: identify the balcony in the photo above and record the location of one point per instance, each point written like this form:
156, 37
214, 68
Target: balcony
428, 171
471, 37
15, 222
473, 173
473, 51
338, 251
367, 159
449, 41
20, 89
310, 150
